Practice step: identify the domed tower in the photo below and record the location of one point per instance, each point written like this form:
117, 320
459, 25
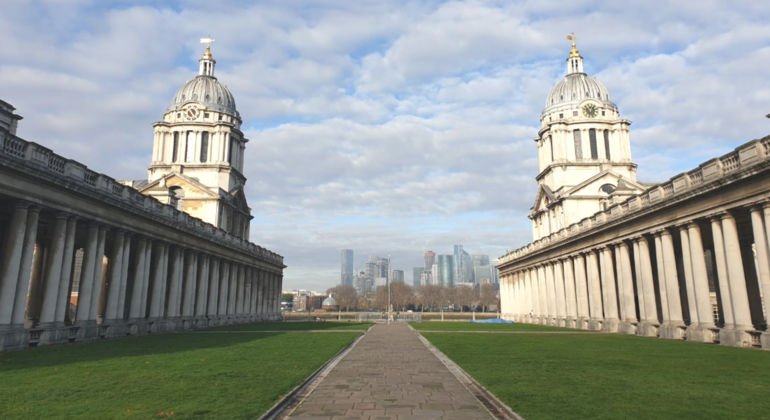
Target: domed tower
197, 158
583, 150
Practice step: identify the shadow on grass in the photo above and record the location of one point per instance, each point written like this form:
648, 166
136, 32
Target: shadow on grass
293, 326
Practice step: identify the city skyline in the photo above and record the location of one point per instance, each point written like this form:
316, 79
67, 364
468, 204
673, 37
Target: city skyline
417, 129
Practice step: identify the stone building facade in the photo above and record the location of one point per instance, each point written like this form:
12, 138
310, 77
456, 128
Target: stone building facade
83, 256
686, 259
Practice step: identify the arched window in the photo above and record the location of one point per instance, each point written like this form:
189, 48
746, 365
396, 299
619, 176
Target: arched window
204, 146
578, 144
175, 149
607, 144
592, 140
230, 149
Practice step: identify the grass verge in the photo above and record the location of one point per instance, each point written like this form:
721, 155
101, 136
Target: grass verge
603, 376
293, 326
185, 375
468, 326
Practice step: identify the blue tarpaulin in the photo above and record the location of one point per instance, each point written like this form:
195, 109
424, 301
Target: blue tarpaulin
492, 321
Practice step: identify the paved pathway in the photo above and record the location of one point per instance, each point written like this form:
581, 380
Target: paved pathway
390, 374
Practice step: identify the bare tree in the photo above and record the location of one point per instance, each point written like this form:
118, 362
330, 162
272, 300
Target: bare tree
380, 300
347, 297
463, 296
401, 295
487, 296
430, 296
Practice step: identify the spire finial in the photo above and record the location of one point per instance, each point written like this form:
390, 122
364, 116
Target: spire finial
207, 40
573, 38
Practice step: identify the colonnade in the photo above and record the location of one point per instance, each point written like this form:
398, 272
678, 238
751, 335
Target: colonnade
705, 279
68, 278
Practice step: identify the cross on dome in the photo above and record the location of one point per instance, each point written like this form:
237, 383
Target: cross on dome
574, 61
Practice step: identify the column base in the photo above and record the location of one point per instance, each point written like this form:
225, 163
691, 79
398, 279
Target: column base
647, 329
673, 331
561, 322
734, 337
581, 323
173, 323
115, 328
627, 327
53, 332
157, 325
186, 324
701, 334
765, 341
13, 337
610, 325
137, 327
87, 330
595, 324
570, 322
212, 321
201, 322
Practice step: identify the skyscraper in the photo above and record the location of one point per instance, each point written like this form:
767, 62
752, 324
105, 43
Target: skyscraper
417, 276
398, 276
347, 273
430, 259
446, 270
463, 265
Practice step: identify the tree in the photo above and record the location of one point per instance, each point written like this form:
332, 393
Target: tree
345, 296
430, 296
287, 297
463, 296
487, 296
401, 295
380, 300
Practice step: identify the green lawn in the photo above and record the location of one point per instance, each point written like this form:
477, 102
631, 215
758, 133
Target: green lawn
222, 376
468, 326
293, 326
610, 376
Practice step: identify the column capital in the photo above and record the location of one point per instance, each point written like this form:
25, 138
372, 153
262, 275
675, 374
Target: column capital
62, 215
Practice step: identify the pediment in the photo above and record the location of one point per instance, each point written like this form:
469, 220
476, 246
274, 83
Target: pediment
191, 186
543, 199
591, 186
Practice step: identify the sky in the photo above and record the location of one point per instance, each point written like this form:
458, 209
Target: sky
386, 127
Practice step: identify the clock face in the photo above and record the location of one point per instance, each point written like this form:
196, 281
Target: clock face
589, 110
191, 113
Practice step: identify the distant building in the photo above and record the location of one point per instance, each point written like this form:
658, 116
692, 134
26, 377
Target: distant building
463, 265
398, 276
347, 270
483, 274
430, 259
446, 270
480, 260
417, 273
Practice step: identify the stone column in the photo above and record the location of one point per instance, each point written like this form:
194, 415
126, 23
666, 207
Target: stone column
87, 276
700, 279
543, 293
12, 262
676, 322
629, 305
550, 293
158, 280
233, 288
687, 262
535, 295
17, 266
260, 294
569, 293
735, 332
213, 299
173, 310
224, 282
52, 276
254, 293
239, 300
188, 289
581, 292
121, 313
558, 279
662, 288
144, 300
203, 290
594, 292
609, 294
99, 280
649, 324
761, 230
138, 281
113, 279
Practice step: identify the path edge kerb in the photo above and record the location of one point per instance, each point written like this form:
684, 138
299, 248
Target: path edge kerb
486, 398
286, 405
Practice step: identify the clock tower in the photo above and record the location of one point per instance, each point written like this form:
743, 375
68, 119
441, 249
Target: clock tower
583, 151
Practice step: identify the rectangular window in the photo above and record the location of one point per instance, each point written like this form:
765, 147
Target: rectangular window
574, 113
561, 115
578, 145
550, 142
592, 140
607, 144
175, 149
204, 146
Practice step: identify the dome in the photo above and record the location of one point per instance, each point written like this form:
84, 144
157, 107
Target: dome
329, 302
207, 90
575, 88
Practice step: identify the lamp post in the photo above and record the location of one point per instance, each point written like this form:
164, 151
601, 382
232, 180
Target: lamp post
390, 307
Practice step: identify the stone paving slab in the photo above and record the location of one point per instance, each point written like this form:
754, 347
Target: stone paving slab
390, 374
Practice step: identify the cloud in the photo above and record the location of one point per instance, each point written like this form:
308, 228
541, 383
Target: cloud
376, 126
